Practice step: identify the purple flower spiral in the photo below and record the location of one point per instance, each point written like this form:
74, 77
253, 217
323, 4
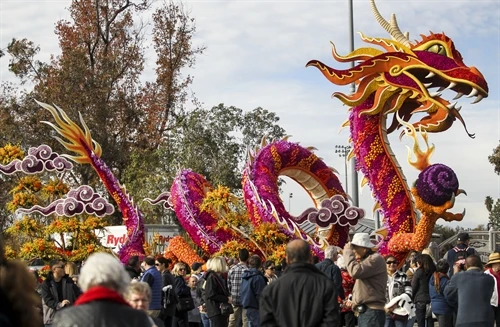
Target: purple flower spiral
436, 184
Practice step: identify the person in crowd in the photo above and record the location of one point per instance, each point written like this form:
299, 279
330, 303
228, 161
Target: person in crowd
252, 284
330, 269
347, 318
399, 305
104, 281
470, 293
493, 269
58, 291
303, 296
460, 252
270, 271
181, 318
216, 292
368, 268
196, 269
234, 283
18, 300
437, 284
154, 279
412, 267
280, 269
430, 254
194, 316
420, 287
200, 291
407, 264
138, 295
231, 262
70, 269
168, 308
133, 267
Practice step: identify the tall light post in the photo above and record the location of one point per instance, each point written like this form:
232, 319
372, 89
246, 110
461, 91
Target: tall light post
343, 151
290, 196
354, 173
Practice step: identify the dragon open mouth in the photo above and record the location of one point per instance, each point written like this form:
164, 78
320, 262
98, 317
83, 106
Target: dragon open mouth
441, 113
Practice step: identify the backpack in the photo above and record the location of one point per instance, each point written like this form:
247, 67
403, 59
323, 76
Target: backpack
461, 254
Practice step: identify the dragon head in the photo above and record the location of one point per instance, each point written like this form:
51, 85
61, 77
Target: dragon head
408, 78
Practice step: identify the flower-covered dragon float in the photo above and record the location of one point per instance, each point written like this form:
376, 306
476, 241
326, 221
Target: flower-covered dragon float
405, 80
398, 81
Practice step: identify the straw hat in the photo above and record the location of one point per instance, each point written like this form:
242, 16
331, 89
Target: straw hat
493, 258
362, 240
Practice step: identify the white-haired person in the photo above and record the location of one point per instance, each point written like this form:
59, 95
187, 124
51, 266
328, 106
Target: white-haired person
104, 281
139, 296
216, 292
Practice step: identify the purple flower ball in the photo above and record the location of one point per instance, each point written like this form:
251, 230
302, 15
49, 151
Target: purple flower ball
436, 184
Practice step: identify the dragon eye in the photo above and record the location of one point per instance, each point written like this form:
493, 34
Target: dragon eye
437, 48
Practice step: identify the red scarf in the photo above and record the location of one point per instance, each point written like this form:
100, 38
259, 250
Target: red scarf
99, 293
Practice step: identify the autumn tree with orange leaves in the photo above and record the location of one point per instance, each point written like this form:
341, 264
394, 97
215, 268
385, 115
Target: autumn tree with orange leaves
98, 74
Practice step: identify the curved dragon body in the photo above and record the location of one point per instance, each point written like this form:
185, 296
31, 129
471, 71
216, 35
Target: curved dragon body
378, 165
186, 195
400, 82
261, 194
88, 152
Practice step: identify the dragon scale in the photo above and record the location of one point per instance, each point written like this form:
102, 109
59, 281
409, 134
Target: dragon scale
388, 184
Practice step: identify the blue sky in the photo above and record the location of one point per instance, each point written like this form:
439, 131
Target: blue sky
256, 52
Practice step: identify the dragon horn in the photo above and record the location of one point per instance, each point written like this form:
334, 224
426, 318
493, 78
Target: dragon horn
392, 28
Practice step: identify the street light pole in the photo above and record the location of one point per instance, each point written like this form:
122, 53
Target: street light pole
354, 174
343, 151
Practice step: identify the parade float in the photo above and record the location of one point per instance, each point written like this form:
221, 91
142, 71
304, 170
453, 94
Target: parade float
394, 83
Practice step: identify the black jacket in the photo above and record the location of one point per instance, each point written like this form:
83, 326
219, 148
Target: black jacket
420, 286
215, 293
332, 271
302, 297
132, 272
168, 279
50, 299
101, 314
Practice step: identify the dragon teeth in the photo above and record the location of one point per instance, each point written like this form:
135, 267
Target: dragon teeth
441, 88
451, 105
430, 75
434, 94
472, 93
479, 98
427, 85
458, 96
458, 108
452, 85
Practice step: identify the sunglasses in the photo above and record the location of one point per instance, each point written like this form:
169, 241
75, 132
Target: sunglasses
184, 269
392, 262
157, 264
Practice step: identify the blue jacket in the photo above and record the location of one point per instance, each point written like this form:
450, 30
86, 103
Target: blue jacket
332, 271
252, 284
439, 303
470, 293
153, 277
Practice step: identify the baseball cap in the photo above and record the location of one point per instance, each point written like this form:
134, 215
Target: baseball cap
463, 237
